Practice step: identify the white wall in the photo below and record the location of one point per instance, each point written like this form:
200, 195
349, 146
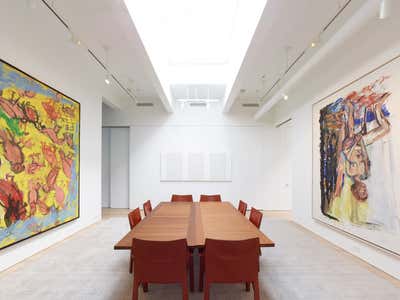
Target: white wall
33, 41
198, 129
353, 59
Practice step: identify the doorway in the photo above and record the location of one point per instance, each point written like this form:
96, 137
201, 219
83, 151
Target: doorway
115, 167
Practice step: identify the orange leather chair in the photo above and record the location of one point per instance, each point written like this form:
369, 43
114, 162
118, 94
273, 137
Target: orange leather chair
242, 207
210, 198
147, 208
231, 262
160, 262
181, 198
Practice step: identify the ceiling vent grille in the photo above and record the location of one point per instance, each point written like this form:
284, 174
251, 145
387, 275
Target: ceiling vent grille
198, 104
145, 104
250, 105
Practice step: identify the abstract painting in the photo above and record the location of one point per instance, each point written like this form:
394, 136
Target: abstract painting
39, 156
356, 158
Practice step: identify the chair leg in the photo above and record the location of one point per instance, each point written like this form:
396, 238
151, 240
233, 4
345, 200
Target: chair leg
201, 275
191, 272
130, 265
145, 286
247, 286
256, 289
207, 291
135, 291
185, 292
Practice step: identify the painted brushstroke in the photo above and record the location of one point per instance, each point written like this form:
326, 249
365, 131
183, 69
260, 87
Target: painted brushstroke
39, 157
355, 157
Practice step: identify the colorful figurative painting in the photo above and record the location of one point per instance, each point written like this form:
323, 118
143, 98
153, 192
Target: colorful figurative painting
39, 157
356, 158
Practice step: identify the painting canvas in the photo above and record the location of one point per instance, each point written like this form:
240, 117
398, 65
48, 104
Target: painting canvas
356, 158
39, 157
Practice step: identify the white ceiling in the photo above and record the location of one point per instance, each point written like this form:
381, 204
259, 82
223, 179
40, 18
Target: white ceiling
283, 24
285, 30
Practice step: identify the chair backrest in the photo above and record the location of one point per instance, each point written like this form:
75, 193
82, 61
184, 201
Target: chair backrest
210, 198
255, 217
134, 217
147, 208
159, 261
181, 198
232, 261
242, 207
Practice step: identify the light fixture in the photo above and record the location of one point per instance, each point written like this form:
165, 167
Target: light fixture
74, 39
285, 97
384, 8
107, 79
313, 44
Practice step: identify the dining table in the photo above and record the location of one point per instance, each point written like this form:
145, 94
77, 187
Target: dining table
194, 221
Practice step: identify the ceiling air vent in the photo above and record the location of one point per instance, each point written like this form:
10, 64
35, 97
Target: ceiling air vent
250, 104
145, 104
198, 104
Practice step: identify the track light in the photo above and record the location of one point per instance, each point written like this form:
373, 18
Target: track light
384, 8
74, 39
107, 80
285, 97
313, 44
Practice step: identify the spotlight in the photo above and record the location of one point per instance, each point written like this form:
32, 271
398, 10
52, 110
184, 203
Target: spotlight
107, 79
384, 8
285, 97
313, 44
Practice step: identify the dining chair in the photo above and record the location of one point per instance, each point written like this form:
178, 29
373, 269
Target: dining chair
242, 207
181, 198
134, 219
231, 262
147, 208
160, 262
210, 198
256, 217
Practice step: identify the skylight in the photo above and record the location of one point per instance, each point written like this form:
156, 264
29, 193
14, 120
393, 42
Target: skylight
195, 41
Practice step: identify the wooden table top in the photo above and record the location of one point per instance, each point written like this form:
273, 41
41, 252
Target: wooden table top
195, 222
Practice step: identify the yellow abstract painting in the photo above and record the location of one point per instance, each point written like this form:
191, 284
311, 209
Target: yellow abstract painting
39, 156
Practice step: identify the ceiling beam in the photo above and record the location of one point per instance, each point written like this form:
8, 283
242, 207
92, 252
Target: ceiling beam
367, 12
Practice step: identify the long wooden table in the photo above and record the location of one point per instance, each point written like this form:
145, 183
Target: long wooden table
195, 222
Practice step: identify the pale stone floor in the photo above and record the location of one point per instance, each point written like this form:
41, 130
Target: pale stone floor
301, 266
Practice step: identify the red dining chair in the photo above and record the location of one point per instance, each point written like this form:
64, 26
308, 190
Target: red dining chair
160, 262
181, 198
210, 198
231, 262
242, 207
256, 217
134, 219
147, 208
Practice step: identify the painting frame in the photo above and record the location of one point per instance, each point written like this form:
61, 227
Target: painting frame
316, 163
78, 162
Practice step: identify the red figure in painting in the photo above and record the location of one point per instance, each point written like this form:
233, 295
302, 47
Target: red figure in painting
11, 199
52, 134
49, 153
50, 109
12, 151
66, 161
60, 196
51, 179
34, 165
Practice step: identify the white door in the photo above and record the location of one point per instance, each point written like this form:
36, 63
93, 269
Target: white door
105, 168
285, 169
118, 172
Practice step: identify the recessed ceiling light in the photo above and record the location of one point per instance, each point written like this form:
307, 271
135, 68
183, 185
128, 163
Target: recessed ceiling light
313, 44
285, 97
